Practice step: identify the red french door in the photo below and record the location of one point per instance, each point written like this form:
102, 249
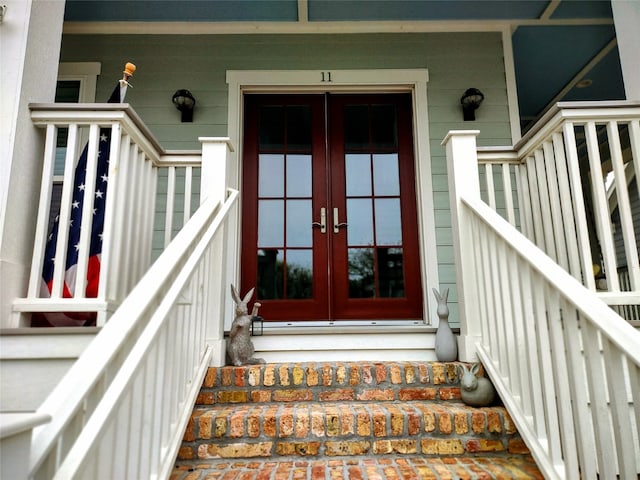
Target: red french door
329, 222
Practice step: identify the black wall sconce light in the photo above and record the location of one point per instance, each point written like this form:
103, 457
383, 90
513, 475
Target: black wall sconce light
470, 101
184, 101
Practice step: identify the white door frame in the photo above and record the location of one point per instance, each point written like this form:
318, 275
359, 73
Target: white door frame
378, 81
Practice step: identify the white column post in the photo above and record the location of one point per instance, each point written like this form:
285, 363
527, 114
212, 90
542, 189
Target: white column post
213, 184
626, 17
462, 171
30, 38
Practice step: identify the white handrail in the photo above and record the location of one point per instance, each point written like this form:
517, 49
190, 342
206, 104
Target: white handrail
154, 343
565, 364
588, 399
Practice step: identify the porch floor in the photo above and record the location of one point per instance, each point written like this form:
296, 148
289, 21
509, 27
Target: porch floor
361, 468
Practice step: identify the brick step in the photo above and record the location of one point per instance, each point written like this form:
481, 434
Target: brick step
360, 468
351, 420
330, 382
348, 428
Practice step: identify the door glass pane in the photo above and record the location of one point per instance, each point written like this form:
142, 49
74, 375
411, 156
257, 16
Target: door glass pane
361, 276
390, 272
299, 223
271, 136
285, 233
299, 127
356, 127
372, 179
386, 180
388, 225
299, 273
360, 222
358, 171
383, 127
270, 223
299, 175
269, 282
271, 175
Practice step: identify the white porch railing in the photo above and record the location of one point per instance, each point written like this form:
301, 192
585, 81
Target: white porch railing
136, 163
562, 184
565, 364
121, 410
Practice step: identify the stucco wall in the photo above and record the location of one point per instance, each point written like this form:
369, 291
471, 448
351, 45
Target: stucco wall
455, 61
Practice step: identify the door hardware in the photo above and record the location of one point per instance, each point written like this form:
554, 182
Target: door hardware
336, 221
323, 221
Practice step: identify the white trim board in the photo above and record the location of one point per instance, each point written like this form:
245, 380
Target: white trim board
307, 27
379, 81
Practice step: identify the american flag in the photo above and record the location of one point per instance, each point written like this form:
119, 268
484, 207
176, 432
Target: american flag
93, 270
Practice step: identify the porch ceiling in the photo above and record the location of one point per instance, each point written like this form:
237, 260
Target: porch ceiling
556, 43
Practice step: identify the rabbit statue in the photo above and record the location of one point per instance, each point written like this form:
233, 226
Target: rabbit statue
446, 345
240, 348
475, 391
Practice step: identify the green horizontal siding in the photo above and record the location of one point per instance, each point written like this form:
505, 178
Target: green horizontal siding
166, 63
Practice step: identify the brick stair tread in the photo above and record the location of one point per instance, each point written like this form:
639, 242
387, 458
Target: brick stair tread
331, 381
345, 428
332, 419
521, 467
415, 406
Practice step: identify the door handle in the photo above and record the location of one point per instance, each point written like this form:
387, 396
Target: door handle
336, 221
323, 221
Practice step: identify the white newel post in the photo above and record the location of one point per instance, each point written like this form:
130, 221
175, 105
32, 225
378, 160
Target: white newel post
462, 169
213, 180
213, 176
15, 441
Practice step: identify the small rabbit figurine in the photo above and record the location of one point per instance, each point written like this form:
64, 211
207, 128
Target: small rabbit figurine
239, 346
446, 345
475, 391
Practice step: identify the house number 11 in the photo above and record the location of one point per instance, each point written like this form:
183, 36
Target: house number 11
326, 76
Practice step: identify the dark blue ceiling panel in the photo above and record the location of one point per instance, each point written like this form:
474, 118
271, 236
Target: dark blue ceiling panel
583, 9
606, 81
181, 10
354, 10
550, 57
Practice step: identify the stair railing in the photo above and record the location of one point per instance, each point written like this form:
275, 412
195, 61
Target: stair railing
121, 410
561, 185
565, 364
136, 163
